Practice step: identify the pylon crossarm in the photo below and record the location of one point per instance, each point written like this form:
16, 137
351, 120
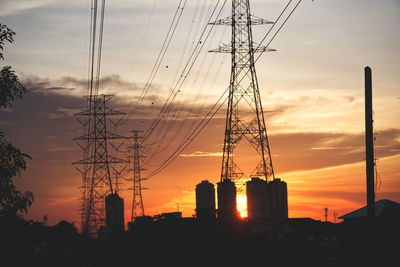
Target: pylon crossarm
254, 20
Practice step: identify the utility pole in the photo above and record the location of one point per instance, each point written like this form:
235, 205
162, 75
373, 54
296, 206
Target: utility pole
369, 144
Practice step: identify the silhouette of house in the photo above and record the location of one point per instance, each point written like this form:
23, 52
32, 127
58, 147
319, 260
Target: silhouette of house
383, 208
371, 241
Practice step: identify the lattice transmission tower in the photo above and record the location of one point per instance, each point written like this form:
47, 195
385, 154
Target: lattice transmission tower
244, 117
97, 166
137, 200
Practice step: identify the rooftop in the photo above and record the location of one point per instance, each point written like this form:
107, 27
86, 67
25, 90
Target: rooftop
382, 206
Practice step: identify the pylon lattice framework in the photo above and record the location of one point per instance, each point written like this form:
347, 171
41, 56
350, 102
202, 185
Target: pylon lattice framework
244, 93
97, 163
137, 201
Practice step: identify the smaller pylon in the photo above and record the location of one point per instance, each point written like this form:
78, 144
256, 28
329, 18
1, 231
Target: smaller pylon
326, 214
137, 200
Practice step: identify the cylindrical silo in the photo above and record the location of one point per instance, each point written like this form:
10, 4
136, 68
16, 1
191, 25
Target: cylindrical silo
277, 200
205, 200
114, 213
257, 206
227, 200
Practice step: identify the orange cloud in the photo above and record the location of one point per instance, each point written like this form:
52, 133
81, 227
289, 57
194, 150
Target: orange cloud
322, 169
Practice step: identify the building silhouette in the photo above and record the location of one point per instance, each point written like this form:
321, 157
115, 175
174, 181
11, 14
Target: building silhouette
277, 199
205, 200
227, 200
266, 202
257, 205
114, 213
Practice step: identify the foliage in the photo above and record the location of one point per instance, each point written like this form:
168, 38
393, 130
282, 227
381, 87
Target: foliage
6, 34
12, 160
10, 87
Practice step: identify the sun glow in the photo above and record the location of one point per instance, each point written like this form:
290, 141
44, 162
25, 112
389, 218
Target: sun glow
241, 201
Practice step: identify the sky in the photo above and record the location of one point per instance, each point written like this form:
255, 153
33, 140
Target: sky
312, 90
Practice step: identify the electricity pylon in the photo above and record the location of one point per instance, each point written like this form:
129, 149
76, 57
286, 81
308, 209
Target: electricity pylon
244, 95
97, 163
137, 200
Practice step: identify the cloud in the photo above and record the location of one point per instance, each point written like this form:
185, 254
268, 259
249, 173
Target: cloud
47, 111
9, 7
289, 112
202, 154
305, 109
42, 125
311, 150
331, 148
126, 94
110, 84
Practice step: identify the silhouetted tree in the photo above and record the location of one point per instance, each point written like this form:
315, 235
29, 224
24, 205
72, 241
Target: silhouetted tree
6, 34
10, 87
12, 160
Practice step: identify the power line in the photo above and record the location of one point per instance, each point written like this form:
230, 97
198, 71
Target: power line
160, 57
165, 122
146, 28
185, 73
100, 48
188, 35
206, 119
177, 114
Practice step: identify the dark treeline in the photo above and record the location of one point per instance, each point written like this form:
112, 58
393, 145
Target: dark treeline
187, 242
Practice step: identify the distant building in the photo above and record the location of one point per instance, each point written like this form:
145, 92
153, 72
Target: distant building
141, 221
374, 235
205, 200
383, 207
114, 213
226, 191
266, 202
168, 216
257, 205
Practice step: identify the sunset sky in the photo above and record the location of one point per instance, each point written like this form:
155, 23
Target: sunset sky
312, 89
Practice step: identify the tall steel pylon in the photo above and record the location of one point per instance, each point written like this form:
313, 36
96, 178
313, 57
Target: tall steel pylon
244, 94
97, 164
137, 200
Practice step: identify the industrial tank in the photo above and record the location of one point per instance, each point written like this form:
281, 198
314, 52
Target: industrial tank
277, 200
257, 205
114, 213
227, 200
205, 200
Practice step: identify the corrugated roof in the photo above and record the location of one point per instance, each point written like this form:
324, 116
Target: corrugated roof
383, 205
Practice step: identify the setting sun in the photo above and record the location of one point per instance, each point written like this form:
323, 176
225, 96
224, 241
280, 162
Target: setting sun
242, 205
